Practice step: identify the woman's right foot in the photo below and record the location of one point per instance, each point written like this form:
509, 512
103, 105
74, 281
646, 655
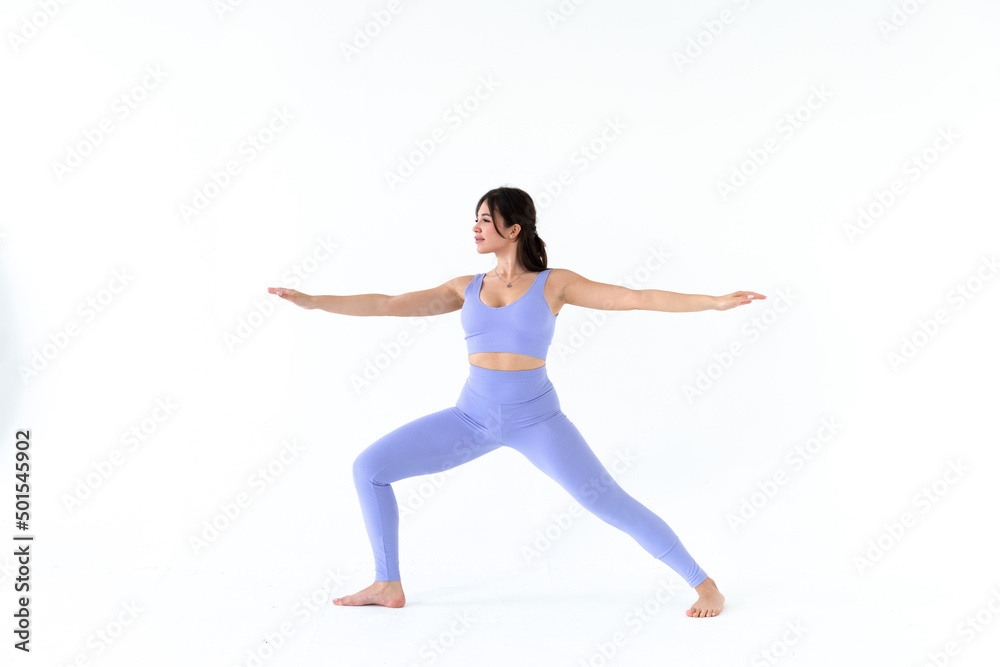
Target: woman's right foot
709, 602
384, 593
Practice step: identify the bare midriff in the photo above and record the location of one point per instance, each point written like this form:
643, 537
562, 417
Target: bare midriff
505, 361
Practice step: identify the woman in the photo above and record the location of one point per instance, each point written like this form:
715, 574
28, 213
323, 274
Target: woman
508, 315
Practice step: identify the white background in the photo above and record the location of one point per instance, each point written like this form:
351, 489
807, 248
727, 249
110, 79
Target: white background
598, 92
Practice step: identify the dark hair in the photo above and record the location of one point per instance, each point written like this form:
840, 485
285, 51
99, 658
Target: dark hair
516, 208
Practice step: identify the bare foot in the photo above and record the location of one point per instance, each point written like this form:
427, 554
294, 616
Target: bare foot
385, 593
709, 602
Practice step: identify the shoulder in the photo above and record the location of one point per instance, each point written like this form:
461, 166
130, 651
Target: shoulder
460, 284
563, 281
559, 278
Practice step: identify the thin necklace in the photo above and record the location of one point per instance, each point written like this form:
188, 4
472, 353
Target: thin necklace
511, 282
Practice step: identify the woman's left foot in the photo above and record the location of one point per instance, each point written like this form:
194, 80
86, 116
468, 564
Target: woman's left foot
709, 602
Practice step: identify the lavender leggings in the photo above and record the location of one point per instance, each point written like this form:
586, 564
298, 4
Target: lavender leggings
518, 409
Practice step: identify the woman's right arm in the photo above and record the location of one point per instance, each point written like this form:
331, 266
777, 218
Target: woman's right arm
351, 304
444, 298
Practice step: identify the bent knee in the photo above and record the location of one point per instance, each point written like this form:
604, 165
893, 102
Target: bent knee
366, 468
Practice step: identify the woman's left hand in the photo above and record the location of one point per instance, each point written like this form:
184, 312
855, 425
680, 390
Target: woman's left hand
736, 299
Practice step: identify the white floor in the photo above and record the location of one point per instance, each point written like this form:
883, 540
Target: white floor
566, 610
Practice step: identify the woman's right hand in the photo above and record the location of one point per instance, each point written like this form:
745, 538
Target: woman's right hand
288, 294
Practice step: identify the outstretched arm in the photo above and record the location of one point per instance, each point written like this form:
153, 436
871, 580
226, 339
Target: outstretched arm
444, 298
676, 302
348, 304
576, 290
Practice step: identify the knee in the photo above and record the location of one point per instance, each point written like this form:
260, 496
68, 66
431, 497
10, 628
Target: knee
365, 469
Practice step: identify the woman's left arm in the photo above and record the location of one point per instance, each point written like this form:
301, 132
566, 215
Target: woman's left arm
578, 291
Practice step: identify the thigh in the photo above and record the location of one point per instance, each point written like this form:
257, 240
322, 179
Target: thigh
429, 444
557, 448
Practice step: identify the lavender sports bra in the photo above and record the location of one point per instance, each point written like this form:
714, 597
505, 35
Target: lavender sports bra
525, 326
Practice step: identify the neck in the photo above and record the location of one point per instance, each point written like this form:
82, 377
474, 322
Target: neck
508, 268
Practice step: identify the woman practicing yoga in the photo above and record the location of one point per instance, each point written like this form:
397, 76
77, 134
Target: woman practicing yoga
509, 315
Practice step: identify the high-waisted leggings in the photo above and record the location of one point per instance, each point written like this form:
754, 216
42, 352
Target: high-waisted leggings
520, 410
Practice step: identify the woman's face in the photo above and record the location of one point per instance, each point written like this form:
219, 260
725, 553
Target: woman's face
483, 229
